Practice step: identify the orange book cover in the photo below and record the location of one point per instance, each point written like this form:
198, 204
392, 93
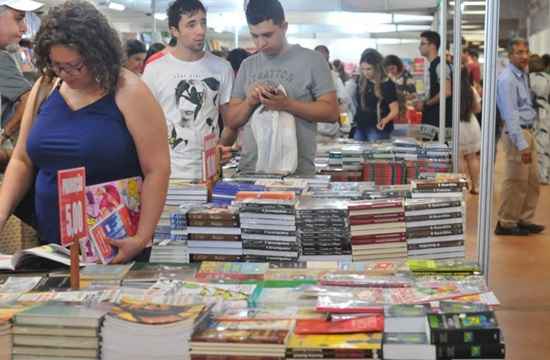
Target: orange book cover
374, 323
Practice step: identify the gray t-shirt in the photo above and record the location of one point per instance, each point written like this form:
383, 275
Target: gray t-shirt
12, 85
305, 75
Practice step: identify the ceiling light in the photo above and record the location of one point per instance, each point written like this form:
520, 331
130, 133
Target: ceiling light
161, 16
401, 18
344, 18
116, 6
413, 27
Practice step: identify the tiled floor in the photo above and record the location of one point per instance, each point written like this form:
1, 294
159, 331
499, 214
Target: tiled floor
520, 276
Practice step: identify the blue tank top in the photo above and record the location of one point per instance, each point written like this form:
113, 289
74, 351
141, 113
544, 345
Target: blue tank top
94, 136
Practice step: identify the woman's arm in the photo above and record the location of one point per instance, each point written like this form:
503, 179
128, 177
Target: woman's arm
394, 113
147, 125
19, 173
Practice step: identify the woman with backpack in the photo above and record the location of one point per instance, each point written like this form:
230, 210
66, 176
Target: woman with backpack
374, 99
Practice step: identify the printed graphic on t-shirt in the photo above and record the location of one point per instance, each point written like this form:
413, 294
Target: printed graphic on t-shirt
197, 102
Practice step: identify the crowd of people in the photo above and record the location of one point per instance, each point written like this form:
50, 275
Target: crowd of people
153, 107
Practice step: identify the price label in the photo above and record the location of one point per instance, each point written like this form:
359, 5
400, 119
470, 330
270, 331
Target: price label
209, 166
71, 184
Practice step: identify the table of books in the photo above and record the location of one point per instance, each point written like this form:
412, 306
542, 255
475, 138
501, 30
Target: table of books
414, 309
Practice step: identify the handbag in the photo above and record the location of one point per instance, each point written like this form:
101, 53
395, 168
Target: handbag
44, 87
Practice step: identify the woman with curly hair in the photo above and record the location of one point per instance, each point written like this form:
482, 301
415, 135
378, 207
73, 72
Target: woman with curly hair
99, 116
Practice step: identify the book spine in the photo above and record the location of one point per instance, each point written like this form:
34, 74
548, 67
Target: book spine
461, 337
435, 245
211, 217
471, 351
214, 237
269, 232
385, 220
433, 205
213, 223
417, 234
440, 216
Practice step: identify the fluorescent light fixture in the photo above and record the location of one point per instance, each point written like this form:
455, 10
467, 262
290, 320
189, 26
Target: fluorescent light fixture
344, 18
470, 3
384, 28
226, 21
413, 27
161, 16
116, 6
403, 18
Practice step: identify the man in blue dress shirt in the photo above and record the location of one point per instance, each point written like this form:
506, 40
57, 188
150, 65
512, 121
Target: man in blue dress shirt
520, 190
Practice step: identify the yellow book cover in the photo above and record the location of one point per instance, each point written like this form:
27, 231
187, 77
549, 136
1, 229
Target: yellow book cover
372, 341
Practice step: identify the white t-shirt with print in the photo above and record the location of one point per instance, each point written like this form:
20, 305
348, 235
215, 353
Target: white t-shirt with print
190, 94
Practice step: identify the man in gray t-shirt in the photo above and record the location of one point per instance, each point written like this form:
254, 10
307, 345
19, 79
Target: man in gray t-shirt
303, 73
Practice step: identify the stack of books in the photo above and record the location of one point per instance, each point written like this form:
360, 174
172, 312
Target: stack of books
352, 157
163, 231
184, 192
466, 335
268, 225
406, 148
345, 190
323, 230
172, 250
384, 172
224, 192
145, 331
377, 229
439, 185
214, 234
295, 185
435, 228
239, 340
57, 330
335, 346
5, 340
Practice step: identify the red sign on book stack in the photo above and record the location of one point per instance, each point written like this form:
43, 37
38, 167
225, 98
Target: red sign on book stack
72, 216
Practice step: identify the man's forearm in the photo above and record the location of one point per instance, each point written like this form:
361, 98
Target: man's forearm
238, 114
317, 111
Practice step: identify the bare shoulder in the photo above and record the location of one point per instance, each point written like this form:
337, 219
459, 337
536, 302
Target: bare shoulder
129, 87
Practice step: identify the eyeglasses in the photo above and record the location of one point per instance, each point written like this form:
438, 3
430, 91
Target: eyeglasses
70, 69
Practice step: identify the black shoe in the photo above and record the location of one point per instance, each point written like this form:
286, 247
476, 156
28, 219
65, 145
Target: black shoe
514, 231
532, 228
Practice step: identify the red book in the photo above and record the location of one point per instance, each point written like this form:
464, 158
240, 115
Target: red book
374, 323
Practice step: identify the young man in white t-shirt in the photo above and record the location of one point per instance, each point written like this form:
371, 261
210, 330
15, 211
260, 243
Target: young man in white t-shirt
193, 87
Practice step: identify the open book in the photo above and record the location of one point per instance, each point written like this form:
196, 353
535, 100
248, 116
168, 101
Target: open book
39, 258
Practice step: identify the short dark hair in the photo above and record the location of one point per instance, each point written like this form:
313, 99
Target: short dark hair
153, 49
514, 42
322, 48
258, 11
236, 57
546, 59
134, 47
81, 26
473, 53
183, 7
393, 60
173, 41
432, 37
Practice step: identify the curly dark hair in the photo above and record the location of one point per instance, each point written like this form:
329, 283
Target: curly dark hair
79, 25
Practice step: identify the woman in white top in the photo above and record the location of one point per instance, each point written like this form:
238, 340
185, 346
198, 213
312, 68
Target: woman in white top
540, 85
470, 132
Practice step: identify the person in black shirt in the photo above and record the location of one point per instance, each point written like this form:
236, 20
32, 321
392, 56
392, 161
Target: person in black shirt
375, 104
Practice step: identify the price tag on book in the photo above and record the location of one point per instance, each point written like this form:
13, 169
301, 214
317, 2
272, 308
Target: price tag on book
209, 161
71, 184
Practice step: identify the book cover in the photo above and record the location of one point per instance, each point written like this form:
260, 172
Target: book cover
372, 341
102, 199
367, 324
155, 314
115, 226
464, 328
